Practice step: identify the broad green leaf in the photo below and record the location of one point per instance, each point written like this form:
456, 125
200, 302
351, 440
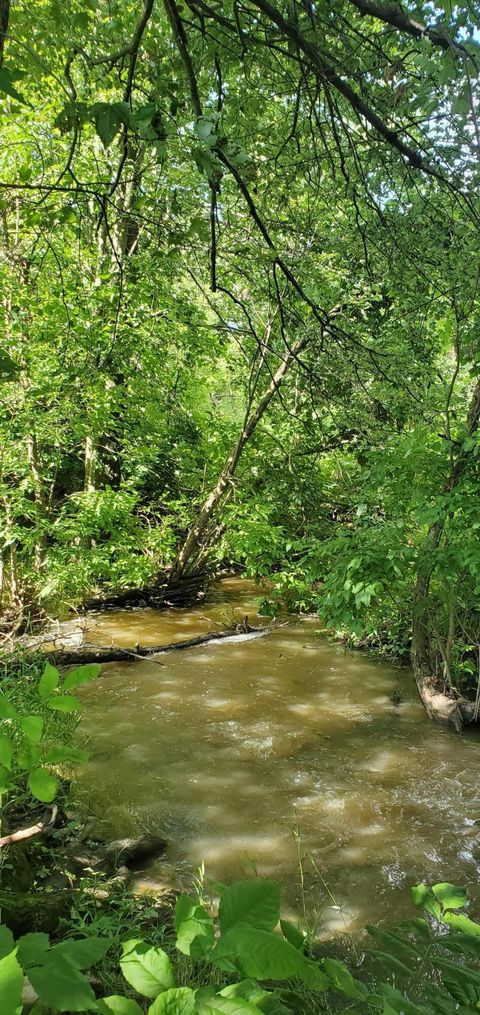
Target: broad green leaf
254, 901
293, 934
398, 1002
62, 753
403, 950
248, 990
5, 780
449, 895
460, 922
48, 681
64, 703
81, 675
32, 726
226, 1006
147, 970
391, 962
31, 948
342, 979
194, 927
422, 896
6, 751
11, 984
43, 785
7, 711
7, 77
84, 952
116, 1005
29, 756
264, 955
7, 944
108, 121
175, 1001
61, 986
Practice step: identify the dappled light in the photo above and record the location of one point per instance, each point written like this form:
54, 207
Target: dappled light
227, 749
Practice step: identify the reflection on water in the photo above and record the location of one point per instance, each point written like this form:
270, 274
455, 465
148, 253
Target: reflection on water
227, 748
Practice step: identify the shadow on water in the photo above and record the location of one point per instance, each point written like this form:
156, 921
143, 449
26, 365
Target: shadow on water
227, 748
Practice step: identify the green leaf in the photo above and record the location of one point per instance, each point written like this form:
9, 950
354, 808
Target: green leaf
398, 1002
204, 128
5, 780
31, 948
6, 751
7, 711
460, 922
29, 756
248, 990
61, 986
147, 970
6, 84
194, 927
225, 1006
7, 944
293, 934
48, 681
391, 962
264, 955
60, 754
84, 952
64, 703
82, 675
342, 979
9, 370
255, 902
394, 944
422, 896
108, 121
175, 1001
42, 785
116, 1005
450, 896
32, 726
11, 985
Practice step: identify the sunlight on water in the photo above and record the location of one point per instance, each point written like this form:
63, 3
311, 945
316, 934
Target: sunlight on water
224, 750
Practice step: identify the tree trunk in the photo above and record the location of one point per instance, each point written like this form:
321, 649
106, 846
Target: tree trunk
192, 543
441, 702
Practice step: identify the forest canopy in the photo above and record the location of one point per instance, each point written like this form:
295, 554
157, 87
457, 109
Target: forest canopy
239, 275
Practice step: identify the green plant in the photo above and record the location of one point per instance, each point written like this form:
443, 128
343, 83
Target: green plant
242, 942
28, 750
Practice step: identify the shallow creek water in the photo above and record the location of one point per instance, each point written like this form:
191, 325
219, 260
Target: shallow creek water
227, 748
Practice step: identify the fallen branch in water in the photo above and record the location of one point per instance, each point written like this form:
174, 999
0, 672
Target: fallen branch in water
28, 833
113, 653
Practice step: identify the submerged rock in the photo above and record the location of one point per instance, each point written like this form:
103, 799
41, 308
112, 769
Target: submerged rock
126, 852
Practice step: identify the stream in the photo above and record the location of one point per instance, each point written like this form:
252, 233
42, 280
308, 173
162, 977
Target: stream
250, 754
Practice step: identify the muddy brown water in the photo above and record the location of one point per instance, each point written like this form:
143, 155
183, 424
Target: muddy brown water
246, 755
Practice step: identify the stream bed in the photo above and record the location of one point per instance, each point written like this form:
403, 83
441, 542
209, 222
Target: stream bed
248, 755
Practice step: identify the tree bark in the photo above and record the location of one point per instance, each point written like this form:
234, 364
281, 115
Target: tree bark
441, 703
192, 543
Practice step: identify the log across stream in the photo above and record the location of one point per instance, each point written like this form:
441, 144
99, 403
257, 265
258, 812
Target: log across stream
245, 754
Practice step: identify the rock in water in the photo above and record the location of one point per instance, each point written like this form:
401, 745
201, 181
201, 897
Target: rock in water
131, 851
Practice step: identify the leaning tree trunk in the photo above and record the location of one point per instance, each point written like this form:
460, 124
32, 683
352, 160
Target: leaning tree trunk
441, 703
192, 544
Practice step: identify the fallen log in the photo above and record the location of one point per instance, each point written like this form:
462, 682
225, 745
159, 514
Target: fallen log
113, 653
28, 833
